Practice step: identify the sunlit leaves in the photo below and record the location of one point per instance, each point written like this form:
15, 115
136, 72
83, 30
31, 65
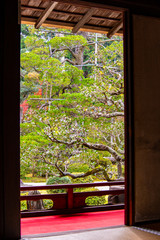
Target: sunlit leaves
71, 107
67, 41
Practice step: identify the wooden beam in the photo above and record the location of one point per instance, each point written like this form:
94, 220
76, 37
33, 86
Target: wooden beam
115, 29
66, 13
86, 4
67, 25
45, 14
84, 19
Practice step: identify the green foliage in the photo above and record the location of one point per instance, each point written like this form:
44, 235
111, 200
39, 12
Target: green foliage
23, 205
73, 104
88, 179
95, 200
47, 203
31, 179
67, 41
78, 167
24, 33
58, 180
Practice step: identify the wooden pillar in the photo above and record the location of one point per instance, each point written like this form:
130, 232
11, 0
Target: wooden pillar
129, 119
9, 121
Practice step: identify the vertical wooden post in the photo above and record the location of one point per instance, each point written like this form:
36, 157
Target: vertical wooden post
9, 121
70, 198
129, 120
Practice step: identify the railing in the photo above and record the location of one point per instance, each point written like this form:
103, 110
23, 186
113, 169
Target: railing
72, 202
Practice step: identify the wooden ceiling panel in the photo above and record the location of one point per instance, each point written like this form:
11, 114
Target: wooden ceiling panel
43, 4
26, 2
34, 3
74, 16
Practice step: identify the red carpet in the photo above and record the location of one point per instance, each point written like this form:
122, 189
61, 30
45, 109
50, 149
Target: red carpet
38, 225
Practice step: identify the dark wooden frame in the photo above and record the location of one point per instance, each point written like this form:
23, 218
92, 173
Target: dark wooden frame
129, 120
9, 121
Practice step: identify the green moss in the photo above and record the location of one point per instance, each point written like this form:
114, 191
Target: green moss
33, 179
78, 167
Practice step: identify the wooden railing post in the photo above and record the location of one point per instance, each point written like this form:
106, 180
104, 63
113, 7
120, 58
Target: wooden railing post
70, 198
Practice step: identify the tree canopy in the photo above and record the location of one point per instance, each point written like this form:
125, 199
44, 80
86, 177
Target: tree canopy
75, 113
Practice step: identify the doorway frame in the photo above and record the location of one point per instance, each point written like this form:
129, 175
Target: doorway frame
10, 148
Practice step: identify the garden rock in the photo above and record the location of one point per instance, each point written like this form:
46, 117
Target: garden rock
35, 205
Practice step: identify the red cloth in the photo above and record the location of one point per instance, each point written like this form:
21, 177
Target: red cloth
60, 223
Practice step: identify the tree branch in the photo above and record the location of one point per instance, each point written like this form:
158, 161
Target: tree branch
101, 147
121, 91
68, 60
65, 88
55, 140
105, 115
88, 173
87, 61
63, 49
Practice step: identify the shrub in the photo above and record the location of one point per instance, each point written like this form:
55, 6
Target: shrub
58, 180
23, 205
47, 203
88, 179
95, 200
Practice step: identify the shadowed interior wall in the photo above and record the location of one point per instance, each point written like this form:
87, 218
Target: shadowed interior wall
146, 42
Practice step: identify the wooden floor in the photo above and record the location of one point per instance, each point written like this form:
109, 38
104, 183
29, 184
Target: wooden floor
118, 233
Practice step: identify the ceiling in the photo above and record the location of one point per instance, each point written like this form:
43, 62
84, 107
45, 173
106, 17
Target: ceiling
75, 16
